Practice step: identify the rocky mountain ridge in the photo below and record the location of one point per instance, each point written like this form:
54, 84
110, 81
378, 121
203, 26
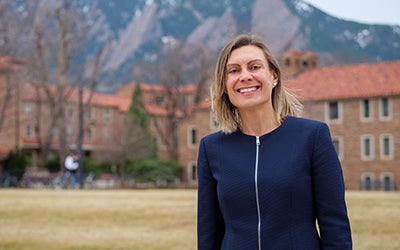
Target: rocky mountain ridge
283, 23
137, 31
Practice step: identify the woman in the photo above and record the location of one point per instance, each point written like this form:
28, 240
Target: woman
268, 176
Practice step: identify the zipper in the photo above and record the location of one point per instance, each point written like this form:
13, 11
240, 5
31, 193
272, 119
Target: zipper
256, 188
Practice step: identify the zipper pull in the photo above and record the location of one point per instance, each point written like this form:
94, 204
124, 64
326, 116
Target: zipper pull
258, 140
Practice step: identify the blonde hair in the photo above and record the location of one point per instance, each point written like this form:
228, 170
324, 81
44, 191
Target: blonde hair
284, 103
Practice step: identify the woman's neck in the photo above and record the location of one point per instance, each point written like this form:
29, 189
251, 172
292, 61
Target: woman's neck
258, 122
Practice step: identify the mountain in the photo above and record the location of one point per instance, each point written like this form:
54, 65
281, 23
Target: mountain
137, 30
140, 27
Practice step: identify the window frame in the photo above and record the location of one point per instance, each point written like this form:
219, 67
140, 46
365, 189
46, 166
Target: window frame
29, 131
28, 110
362, 110
364, 177
390, 176
192, 171
383, 117
107, 114
328, 111
382, 148
372, 147
192, 142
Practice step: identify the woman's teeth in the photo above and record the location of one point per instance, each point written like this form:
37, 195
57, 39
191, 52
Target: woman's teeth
247, 90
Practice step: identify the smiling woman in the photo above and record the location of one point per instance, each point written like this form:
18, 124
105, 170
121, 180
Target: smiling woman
249, 84
267, 176
283, 103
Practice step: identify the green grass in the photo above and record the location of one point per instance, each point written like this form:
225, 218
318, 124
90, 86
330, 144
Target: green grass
152, 219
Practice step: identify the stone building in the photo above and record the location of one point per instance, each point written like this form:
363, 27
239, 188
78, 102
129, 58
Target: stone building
9, 67
361, 105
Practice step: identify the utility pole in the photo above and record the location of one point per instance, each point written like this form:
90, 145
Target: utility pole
80, 136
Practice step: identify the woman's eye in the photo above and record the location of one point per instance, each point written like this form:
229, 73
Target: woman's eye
233, 71
255, 67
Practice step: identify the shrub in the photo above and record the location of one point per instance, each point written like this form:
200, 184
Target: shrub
90, 166
16, 162
155, 170
53, 164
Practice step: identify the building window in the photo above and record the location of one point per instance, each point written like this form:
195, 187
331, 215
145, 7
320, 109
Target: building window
70, 131
89, 133
366, 110
386, 146
367, 181
333, 111
387, 181
384, 108
192, 136
28, 109
107, 114
28, 131
367, 147
107, 135
287, 62
192, 171
188, 100
90, 113
158, 99
338, 144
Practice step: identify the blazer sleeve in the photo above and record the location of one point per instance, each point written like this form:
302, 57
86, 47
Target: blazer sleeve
329, 193
210, 226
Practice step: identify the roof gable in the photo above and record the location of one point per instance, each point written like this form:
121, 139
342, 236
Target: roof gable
347, 81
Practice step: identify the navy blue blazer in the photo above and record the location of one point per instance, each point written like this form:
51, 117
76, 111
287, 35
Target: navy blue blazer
282, 190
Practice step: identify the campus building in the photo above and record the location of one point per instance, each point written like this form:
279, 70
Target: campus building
9, 66
360, 103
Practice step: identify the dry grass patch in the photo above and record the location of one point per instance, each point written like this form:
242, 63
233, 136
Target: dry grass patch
123, 219
152, 219
375, 219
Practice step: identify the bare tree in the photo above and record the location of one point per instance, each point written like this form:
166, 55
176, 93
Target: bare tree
58, 65
178, 68
11, 26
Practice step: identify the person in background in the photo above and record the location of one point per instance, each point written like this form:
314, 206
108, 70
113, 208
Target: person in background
71, 166
268, 179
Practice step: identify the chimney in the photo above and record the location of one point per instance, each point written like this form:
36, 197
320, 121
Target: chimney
294, 62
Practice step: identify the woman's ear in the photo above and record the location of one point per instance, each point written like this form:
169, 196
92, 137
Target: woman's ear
275, 77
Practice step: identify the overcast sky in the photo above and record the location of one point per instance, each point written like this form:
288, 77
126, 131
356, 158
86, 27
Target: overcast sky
363, 11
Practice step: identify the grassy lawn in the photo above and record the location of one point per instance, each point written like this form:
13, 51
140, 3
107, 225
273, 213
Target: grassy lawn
152, 219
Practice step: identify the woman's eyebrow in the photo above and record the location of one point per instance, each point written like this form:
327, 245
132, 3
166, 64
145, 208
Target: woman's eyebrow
251, 61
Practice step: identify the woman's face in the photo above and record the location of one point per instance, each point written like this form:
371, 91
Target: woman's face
249, 80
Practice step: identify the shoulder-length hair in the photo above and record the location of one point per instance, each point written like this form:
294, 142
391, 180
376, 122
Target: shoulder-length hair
226, 114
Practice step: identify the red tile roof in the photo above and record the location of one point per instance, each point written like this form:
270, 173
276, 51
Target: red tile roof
127, 89
71, 94
121, 103
8, 63
347, 81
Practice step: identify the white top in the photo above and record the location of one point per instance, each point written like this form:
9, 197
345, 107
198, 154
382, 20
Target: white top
70, 164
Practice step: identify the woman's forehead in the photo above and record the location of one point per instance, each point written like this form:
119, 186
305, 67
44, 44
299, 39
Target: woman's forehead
245, 54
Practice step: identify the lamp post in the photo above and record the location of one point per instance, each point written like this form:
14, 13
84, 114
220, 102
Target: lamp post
80, 136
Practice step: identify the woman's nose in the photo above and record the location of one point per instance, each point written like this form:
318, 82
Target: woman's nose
245, 75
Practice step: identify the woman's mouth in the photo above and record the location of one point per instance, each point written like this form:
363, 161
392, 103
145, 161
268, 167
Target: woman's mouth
247, 90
